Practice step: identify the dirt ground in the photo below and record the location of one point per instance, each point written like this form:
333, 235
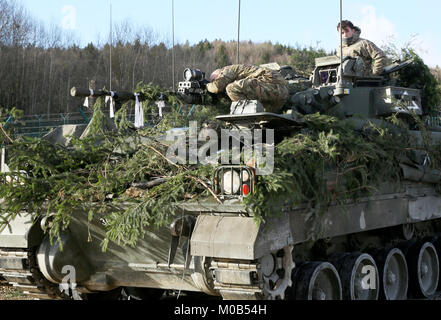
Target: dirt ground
9, 293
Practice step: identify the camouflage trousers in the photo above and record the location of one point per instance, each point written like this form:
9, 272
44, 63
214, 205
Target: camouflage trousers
273, 96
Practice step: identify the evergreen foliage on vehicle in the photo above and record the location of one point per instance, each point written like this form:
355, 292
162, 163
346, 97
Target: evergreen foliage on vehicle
419, 76
96, 175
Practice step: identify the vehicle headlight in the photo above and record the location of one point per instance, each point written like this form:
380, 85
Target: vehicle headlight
245, 176
188, 74
231, 182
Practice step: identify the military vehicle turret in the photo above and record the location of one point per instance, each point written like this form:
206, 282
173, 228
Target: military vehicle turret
385, 245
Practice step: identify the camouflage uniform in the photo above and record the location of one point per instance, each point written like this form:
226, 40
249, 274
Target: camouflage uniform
374, 58
242, 82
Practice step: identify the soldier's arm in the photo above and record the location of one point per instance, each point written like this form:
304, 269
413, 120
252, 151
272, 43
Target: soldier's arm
379, 59
228, 75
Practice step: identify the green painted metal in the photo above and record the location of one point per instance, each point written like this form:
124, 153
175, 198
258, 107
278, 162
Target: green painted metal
80, 110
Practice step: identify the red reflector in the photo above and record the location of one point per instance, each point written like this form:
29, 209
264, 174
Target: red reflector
245, 189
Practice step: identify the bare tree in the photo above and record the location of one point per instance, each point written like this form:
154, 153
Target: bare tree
40, 63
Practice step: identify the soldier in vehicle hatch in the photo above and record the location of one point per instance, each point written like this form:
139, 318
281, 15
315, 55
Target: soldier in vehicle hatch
374, 58
243, 82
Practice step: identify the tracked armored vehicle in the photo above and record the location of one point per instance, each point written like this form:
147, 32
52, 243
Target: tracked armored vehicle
385, 245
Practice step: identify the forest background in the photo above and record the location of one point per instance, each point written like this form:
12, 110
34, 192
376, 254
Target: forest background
40, 64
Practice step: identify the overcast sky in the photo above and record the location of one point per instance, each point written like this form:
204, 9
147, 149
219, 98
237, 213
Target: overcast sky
288, 22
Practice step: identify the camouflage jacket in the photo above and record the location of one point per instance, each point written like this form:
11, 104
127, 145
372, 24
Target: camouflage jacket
237, 72
374, 58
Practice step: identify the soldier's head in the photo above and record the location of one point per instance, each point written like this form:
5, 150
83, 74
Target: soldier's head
347, 29
215, 75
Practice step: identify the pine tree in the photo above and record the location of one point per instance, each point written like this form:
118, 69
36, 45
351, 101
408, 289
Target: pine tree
222, 58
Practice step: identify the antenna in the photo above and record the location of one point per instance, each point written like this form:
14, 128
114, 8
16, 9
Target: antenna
238, 37
173, 47
111, 44
341, 34
340, 89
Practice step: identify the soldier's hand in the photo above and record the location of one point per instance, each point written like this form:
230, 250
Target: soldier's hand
204, 84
